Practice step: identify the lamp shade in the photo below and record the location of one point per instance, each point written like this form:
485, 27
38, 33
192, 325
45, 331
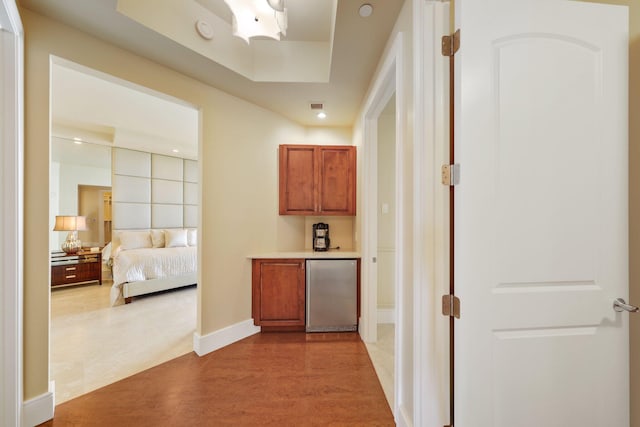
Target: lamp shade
70, 223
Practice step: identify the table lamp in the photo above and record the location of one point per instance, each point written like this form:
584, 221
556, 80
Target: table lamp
71, 224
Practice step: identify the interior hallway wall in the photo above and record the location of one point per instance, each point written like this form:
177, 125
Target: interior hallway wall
239, 176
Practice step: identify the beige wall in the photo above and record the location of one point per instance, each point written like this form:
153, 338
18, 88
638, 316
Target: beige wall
386, 196
239, 206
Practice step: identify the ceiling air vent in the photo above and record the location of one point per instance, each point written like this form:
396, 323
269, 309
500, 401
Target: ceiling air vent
316, 106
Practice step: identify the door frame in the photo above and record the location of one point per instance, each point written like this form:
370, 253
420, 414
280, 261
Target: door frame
389, 81
431, 20
11, 202
429, 252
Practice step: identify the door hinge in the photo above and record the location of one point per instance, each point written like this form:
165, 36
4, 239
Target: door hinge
451, 306
451, 44
451, 174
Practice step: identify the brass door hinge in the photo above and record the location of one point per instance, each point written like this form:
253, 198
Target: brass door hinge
451, 306
450, 174
451, 44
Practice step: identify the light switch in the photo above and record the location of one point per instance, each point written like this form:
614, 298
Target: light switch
385, 208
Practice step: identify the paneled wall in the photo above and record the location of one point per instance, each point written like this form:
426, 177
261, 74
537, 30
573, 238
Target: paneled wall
153, 191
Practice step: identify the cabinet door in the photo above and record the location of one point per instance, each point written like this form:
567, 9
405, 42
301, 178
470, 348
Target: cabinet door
278, 292
298, 178
317, 180
337, 183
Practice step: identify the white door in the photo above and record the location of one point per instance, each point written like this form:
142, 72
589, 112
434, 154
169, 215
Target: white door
541, 214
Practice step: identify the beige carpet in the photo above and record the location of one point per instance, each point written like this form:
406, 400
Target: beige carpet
94, 344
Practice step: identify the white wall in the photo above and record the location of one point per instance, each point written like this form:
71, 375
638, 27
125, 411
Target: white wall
63, 198
11, 206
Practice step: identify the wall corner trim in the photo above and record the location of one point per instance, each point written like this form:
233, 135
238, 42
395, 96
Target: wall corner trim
39, 409
203, 344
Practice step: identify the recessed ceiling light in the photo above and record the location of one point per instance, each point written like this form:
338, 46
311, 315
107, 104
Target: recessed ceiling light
365, 10
322, 115
77, 140
175, 150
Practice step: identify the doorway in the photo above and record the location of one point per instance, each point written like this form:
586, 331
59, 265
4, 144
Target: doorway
91, 205
95, 342
383, 353
385, 297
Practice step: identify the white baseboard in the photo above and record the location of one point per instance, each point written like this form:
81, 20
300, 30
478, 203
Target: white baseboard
223, 337
402, 418
386, 315
39, 409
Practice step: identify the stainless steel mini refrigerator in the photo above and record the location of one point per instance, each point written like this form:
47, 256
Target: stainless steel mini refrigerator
332, 295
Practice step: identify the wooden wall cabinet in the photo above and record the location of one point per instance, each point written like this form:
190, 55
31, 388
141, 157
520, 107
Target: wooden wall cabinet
317, 180
278, 293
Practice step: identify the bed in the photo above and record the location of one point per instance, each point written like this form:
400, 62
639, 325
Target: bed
148, 261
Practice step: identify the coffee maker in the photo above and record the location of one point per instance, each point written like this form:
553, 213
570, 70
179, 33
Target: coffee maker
320, 237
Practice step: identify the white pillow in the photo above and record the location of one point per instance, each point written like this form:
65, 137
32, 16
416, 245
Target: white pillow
192, 237
135, 239
175, 238
157, 238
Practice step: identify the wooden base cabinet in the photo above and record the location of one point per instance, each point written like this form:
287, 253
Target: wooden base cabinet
278, 294
82, 267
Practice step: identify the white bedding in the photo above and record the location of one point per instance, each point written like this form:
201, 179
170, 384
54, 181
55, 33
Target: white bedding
135, 265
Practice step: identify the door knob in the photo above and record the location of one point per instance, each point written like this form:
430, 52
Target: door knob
620, 305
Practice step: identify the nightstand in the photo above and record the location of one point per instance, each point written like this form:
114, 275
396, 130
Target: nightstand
80, 268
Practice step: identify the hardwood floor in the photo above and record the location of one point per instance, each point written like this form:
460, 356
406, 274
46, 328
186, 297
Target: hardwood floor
279, 379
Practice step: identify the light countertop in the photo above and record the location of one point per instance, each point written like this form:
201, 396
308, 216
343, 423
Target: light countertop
331, 254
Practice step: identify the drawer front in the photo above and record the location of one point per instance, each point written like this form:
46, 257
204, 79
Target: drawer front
73, 273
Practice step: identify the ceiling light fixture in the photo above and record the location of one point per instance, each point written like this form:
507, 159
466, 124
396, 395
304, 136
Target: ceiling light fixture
175, 150
253, 18
77, 140
322, 115
276, 5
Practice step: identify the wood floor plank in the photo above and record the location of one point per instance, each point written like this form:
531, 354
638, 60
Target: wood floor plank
269, 379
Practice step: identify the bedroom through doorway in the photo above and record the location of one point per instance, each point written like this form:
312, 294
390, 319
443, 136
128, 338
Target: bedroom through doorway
96, 119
